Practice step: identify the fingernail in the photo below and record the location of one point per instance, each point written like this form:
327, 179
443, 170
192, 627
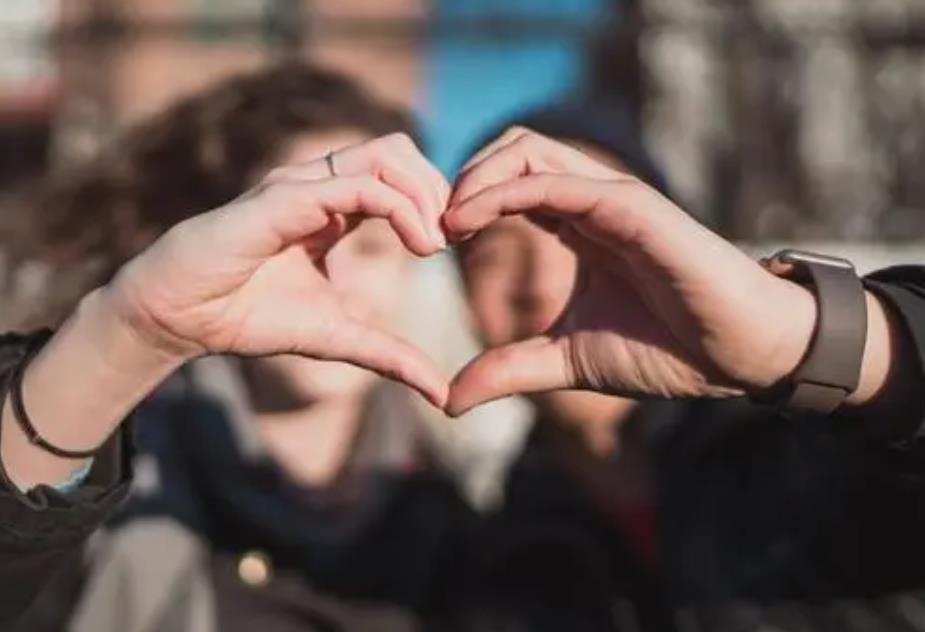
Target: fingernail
455, 411
437, 235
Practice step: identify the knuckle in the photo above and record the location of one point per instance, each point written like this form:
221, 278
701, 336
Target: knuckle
277, 174
401, 140
379, 149
368, 181
280, 194
535, 140
526, 135
368, 191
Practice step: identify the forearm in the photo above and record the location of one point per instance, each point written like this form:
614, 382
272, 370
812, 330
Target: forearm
78, 389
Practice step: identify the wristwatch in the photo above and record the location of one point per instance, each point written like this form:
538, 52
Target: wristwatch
831, 369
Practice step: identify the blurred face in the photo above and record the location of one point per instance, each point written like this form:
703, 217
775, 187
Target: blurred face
370, 266
518, 275
519, 278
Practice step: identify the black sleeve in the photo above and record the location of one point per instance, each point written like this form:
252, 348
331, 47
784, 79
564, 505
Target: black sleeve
902, 288
42, 530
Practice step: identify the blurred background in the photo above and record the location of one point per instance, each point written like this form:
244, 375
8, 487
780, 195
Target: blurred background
777, 120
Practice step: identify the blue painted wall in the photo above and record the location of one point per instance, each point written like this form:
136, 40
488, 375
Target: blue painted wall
473, 83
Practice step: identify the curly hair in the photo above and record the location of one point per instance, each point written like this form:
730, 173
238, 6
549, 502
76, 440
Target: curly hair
198, 154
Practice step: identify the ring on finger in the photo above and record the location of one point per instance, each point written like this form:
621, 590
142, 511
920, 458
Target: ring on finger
329, 161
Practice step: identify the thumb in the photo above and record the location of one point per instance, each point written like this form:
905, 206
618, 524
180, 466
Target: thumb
537, 364
388, 355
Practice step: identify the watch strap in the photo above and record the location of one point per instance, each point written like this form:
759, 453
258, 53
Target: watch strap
831, 369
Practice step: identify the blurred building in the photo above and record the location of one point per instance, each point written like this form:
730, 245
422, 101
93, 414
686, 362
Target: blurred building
787, 119
777, 119
462, 64
29, 84
124, 60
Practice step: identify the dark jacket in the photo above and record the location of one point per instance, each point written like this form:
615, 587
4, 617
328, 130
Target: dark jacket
41, 533
367, 551
756, 518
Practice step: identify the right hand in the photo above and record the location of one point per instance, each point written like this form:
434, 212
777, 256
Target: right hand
661, 306
249, 278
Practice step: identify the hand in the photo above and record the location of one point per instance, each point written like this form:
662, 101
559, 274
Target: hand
661, 305
393, 159
249, 278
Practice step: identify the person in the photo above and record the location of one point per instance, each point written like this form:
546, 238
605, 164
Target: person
666, 506
345, 451
576, 531
713, 324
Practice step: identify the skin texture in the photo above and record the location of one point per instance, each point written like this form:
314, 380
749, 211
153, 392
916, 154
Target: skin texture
369, 267
660, 306
308, 411
248, 278
518, 278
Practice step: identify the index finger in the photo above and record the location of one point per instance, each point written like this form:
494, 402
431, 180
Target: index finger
568, 197
288, 213
526, 153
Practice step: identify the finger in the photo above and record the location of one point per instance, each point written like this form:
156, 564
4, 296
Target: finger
320, 243
387, 355
395, 160
534, 365
401, 149
565, 196
444, 190
313, 170
424, 194
294, 211
529, 153
507, 163
510, 135
391, 172
470, 178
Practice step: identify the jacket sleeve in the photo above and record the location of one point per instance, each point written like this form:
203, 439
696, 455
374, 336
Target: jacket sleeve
42, 530
902, 288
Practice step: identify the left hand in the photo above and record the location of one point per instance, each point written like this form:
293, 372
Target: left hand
250, 277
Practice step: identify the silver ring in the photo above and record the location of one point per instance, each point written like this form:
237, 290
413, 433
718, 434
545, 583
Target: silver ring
329, 160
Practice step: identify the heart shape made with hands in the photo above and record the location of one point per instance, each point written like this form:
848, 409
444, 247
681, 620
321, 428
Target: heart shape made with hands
647, 314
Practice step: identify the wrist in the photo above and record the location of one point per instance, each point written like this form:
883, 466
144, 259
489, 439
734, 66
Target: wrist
830, 370
77, 390
801, 307
795, 318
126, 340
121, 305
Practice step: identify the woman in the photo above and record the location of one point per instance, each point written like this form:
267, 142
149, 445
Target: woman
682, 504
316, 468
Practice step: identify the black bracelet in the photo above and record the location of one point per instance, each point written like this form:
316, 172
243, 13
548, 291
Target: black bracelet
19, 408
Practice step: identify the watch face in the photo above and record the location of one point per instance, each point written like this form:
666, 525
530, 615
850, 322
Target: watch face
791, 256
